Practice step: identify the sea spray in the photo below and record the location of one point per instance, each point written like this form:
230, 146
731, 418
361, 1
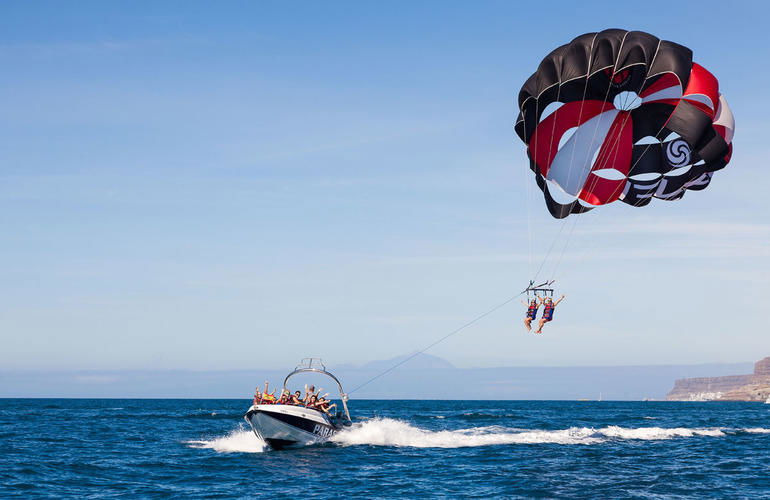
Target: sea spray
391, 432
238, 440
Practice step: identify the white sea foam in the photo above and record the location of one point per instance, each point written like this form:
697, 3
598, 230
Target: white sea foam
237, 441
389, 432
757, 430
656, 433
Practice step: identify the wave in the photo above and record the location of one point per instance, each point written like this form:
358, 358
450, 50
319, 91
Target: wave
390, 432
469, 416
756, 430
236, 441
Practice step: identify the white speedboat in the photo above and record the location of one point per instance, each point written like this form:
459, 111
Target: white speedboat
291, 426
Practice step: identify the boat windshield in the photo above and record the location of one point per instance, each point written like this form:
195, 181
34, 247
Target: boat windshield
315, 365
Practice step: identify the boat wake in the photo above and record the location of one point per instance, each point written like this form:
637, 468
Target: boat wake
390, 432
236, 441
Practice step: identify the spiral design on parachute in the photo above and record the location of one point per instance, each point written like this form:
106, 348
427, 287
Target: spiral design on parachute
678, 153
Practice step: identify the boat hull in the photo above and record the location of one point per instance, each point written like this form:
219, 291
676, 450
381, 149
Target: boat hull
285, 426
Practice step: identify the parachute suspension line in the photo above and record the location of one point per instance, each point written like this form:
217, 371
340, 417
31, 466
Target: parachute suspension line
631, 169
638, 202
528, 203
569, 171
582, 104
550, 249
529, 191
440, 340
614, 148
616, 140
586, 249
563, 250
569, 174
596, 128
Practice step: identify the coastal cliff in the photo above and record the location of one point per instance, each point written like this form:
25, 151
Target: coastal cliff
752, 387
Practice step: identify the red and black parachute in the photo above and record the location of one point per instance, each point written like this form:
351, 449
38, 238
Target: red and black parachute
622, 115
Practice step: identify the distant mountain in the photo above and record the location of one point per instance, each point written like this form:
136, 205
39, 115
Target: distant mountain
421, 361
424, 377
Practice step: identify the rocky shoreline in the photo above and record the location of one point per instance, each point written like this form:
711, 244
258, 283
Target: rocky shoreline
752, 387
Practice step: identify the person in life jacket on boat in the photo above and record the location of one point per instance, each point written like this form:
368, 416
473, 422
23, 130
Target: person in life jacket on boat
257, 397
295, 399
309, 393
285, 397
268, 398
325, 406
548, 307
532, 308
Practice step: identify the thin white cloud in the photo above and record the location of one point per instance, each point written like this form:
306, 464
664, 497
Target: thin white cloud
70, 47
650, 225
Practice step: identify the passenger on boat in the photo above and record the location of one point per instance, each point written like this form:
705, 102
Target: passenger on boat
257, 397
309, 393
285, 397
268, 398
312, 402
324, 406
295, 398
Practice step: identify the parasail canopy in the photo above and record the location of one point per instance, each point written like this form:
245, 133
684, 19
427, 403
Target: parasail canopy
622, 115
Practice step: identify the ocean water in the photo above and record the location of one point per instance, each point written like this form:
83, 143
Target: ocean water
113, 448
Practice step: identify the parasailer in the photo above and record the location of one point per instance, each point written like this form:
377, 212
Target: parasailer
549, 306
622, 115
532, 308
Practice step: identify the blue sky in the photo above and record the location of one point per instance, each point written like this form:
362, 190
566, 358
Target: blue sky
239, 184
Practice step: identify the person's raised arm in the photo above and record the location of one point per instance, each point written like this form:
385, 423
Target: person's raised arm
560, 299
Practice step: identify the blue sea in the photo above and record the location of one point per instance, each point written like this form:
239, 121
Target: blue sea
133, 448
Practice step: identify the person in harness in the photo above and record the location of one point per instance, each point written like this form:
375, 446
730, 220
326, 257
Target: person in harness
548, 308
532, 308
